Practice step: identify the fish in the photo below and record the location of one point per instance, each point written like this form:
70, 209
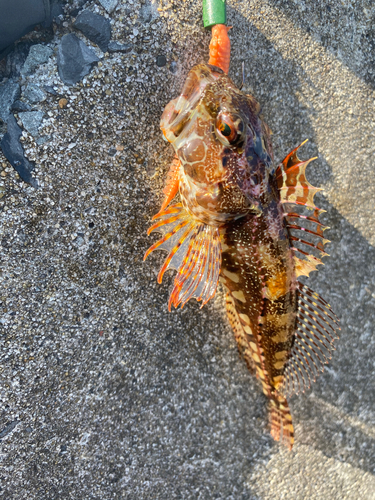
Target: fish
250, 224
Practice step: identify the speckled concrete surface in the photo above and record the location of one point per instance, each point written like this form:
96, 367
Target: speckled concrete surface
106, 395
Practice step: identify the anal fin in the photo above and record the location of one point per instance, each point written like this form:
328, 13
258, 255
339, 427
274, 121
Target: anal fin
316, 330
239, 333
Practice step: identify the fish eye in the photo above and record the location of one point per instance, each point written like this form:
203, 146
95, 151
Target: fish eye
224, 129
228, 130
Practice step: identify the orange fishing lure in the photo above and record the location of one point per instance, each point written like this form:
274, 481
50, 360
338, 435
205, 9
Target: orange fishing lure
248, 224
220, 47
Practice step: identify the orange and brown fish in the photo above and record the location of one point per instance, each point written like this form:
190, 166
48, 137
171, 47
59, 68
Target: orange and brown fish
248, 224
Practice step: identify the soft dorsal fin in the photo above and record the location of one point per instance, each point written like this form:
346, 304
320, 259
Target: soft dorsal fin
316, 327
305, 231
194, 251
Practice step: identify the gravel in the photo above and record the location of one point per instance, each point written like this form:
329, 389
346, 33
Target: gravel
106, 395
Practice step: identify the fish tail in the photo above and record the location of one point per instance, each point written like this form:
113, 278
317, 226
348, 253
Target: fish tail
220, 47
281, 421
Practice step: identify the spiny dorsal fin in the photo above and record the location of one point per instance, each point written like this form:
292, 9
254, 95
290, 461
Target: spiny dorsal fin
305, 231
194, 251
292, 182
316, 327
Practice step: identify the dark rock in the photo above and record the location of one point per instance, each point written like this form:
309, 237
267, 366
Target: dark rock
97, 28
2, 69
19, 18
9, 92
34, 93
75, 8
16, 59
13, 152
74, 12
38, 54
31, 121
74, 59
3, 128
161, 61
59, 20
57, 9
109, 5
50, 90
119, 47
112, 152
20, 106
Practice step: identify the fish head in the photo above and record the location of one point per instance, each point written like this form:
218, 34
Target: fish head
217, 134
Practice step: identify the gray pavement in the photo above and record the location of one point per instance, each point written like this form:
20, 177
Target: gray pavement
106, 395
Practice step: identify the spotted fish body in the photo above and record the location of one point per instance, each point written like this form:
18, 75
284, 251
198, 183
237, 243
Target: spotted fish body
240, 222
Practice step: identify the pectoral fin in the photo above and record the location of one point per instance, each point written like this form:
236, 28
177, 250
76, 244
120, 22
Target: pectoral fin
194, 251
171, 186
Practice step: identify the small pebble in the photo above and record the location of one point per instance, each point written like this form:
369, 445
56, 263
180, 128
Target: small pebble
161, 61
173, 67
63, 102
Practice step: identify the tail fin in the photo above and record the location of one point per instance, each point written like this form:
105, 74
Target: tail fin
281, 421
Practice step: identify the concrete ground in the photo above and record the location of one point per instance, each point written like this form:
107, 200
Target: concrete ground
106, 395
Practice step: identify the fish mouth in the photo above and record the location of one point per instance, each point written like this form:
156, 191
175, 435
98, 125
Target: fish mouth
179, 111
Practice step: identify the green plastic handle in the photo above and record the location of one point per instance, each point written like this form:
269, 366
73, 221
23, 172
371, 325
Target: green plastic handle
214, 12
